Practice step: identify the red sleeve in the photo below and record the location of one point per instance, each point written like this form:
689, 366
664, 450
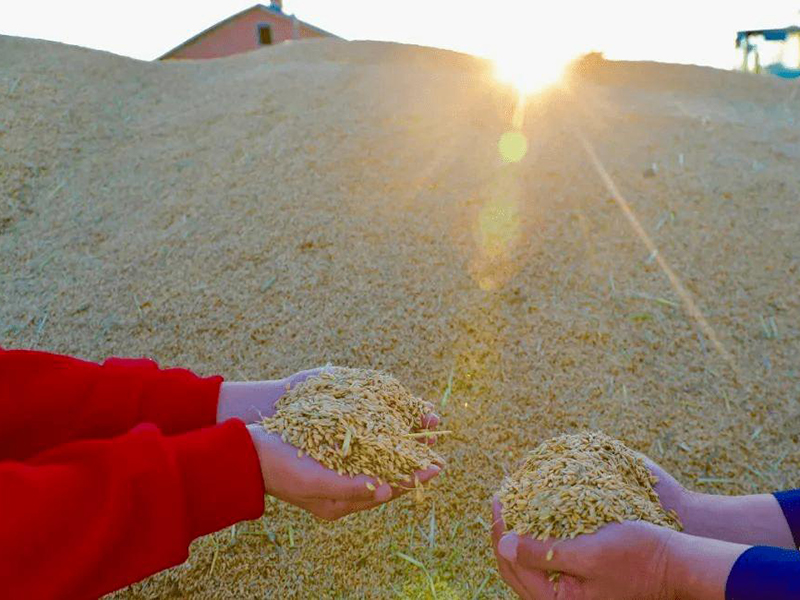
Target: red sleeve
47, 400
89, 517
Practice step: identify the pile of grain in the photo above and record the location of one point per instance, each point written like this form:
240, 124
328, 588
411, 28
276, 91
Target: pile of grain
342, 202
574, 484
356, 421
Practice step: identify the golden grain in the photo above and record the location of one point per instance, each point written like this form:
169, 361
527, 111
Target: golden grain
575, 484
356, 422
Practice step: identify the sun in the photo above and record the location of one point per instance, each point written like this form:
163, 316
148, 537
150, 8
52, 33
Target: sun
530, 72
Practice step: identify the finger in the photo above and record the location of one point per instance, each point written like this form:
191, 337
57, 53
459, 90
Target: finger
381, 495
320, 482
512, 577
301, 376
511, 548
387, 492
420, 478
507, 572
428, 474
430, 420
508, 575
342, 508
498, 526
536, 584
544, 555
329, 485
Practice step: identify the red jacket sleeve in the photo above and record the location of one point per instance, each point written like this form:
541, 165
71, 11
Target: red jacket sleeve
47, 400
89, 517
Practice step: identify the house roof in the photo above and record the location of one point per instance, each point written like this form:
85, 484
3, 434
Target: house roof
271, 9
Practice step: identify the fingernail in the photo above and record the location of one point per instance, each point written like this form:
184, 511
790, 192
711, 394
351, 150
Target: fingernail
435, 469
507, 547
383, 493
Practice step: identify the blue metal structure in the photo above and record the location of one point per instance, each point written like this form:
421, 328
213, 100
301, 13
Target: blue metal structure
745, 42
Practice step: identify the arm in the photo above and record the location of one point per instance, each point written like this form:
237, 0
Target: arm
89, 517
88, 401
756, 519
751, 520
699, 568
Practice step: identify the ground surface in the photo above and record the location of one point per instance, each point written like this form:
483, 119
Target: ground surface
346, 202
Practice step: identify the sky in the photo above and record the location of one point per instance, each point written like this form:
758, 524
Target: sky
686, 31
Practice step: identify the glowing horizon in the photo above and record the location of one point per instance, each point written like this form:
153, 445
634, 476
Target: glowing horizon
506, 30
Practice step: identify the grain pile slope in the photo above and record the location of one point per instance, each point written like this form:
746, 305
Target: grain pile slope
345, 202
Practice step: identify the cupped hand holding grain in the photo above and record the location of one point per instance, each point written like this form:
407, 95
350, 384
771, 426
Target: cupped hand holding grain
251, 401
624, 561
632, 560
344, 440
304, 482
589, 518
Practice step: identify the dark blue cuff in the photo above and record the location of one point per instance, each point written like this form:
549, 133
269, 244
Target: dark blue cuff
764, 573
790, 505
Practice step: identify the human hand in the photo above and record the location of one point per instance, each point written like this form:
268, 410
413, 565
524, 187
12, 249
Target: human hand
633, 560
671, 493
624, 561
304, 482
251, 401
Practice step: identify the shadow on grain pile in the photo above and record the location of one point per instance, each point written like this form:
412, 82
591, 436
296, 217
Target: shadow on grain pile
346, 203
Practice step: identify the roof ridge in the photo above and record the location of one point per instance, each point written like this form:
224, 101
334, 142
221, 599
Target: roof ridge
259, 6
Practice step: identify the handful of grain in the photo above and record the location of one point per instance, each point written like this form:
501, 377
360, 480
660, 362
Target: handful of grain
355, 421
574, 484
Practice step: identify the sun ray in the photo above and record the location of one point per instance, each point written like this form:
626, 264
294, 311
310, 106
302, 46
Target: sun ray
686, 298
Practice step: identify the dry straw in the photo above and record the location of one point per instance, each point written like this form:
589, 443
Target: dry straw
356, 421
574, 484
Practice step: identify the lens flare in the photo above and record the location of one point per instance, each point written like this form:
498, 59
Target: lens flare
513, 146
498, 227
497, 231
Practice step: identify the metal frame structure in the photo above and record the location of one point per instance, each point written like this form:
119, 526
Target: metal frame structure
743, 41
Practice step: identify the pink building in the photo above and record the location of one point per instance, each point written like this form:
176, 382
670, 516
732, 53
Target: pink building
250, 29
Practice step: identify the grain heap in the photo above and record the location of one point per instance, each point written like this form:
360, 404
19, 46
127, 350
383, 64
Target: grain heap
356, 421
332, 201
574, 484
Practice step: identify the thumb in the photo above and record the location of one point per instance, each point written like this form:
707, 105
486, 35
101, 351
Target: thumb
507, 547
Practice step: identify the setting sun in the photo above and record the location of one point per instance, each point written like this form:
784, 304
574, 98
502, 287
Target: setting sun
528, 72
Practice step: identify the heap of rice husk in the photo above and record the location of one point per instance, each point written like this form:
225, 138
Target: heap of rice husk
345, 202
356, 421
574, 484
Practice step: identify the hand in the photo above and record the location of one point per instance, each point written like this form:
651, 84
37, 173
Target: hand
251, 401
624, 561
304, 482
673, 495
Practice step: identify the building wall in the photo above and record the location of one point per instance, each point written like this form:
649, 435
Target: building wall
241, 35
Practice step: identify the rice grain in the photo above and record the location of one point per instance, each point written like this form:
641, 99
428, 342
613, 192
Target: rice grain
356, 422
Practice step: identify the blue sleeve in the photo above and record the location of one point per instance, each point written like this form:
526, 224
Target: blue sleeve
790, 505
764, 573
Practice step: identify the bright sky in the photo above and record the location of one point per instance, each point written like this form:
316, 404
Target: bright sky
688, 31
